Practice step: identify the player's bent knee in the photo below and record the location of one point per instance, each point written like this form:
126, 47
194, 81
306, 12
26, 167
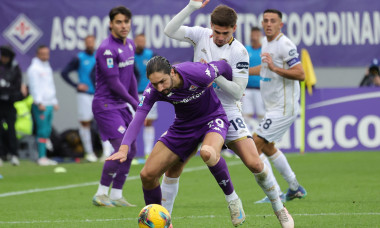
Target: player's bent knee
147, 177
256, 166
209, 155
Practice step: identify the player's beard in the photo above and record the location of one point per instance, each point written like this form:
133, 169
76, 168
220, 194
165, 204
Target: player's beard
168, 90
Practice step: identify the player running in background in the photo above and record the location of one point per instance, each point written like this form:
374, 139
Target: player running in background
142, 56
200, 118
281, 71
114, 103
211, 45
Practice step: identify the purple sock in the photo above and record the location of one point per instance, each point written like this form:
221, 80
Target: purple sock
222, 176
123, 171
110, 167
153, 196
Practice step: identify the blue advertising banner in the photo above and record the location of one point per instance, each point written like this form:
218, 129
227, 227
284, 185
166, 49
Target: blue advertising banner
338, 119
336, 33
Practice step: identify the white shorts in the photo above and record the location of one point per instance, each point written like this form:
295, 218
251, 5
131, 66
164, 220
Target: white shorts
153, 113
238, 129
253, 102
272, 128
85, 106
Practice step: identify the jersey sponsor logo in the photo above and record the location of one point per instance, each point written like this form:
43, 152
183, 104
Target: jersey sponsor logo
193, 88
266, 79
110, 62
121, 129
22, 33
188, 99
142, 101
293, 61
242, 65
126, 63
107, 52
292, 52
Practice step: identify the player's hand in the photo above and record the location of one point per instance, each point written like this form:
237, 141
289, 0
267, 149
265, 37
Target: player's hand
202, 61
120, 155
41, 107
267, 58
204, 3
82, 87
56, 107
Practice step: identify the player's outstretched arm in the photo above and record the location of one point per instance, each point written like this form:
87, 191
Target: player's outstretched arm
120, 155
175, 29
235, 88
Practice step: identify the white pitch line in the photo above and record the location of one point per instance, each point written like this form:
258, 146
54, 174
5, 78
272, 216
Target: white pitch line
177, 218
186, 170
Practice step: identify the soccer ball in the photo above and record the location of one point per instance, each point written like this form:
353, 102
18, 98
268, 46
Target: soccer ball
154, 216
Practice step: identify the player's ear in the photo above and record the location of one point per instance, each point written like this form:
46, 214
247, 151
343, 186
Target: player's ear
234, 28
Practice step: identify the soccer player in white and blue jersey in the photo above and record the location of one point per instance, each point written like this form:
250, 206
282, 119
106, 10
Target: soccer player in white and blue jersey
281, 71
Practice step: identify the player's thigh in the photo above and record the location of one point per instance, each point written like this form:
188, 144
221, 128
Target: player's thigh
176, 170
213, 143
247, 152
160, 160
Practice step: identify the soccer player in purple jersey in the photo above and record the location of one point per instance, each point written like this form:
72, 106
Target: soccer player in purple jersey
114, 103
200, 118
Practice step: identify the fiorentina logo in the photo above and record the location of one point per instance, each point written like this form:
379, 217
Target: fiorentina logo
22, 33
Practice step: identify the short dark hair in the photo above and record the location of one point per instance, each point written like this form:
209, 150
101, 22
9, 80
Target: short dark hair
90, 36
224, 16
120, 10
158, 64
140, 34
274, 11
41, 46
255, 29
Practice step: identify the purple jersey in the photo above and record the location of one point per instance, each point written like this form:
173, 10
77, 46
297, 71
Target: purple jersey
115, 80
197, 108
195, 101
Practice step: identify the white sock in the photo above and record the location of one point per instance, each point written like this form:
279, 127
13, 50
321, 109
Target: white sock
281, 163
102, 190
266, 181
169, 190
85, 136
232, 196
116, 194
148, 137
107, 148
264, 159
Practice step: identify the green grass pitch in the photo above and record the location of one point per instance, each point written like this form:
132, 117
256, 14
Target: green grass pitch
343, 191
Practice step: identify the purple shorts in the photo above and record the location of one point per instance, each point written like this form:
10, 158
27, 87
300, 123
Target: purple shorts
184, 140
112, 123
